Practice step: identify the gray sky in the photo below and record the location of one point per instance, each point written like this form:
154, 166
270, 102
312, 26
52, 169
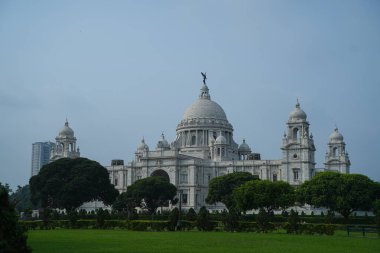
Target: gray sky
121, 70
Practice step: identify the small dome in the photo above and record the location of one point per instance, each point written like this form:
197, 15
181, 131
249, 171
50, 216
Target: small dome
163, 143
143, 146
244, 148
66, 131
221, 140
297, 113
336, 136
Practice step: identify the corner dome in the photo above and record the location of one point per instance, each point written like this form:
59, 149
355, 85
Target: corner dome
336, 136
143, 146
221, 140
163, 144
244, 147
297, 113
66, 131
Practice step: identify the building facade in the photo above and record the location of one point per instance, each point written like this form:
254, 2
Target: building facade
205, 148
40, 155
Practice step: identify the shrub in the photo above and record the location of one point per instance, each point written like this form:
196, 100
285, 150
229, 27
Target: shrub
293, 223
191, 215
203, 220
263, 223
173, 219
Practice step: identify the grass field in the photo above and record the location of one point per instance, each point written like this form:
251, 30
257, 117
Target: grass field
73, 241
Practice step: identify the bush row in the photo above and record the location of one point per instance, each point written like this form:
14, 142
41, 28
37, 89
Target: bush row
158, 225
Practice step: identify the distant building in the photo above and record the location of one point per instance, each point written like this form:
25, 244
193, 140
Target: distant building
40, 155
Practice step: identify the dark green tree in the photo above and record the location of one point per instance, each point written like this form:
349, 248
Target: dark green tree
230, 220
221, 188
151, 192
68, 183
12, 235
376, 211
191, 215
264, 194
293, 223
203, 221
173, 219
22, 199
342, 193
125, 204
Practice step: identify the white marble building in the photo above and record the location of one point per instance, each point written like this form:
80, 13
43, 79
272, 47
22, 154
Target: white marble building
65, 144
204, 148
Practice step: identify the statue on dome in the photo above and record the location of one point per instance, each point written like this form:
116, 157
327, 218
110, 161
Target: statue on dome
204, 77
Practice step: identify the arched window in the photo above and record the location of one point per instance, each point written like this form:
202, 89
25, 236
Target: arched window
274, 177
295, 133
193, 140
335, 151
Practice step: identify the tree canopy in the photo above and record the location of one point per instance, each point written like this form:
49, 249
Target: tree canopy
221, 188
22, 199
264, 194
151, 192
12, 236
68, 183
342, 193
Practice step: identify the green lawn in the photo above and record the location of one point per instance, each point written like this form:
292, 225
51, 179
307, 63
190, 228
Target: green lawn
78, 241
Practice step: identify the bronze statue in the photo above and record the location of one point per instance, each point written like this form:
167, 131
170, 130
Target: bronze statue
204, 77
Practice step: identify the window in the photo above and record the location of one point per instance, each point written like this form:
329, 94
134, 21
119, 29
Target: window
295, 133
296, 175
183, 178
184, 198
274, 177
193, 140
334, 151
115, 181
208, 177
138, 177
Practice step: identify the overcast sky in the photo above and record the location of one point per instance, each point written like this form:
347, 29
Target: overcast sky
121, 70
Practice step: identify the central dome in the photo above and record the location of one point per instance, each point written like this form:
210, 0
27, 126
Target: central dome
204, 108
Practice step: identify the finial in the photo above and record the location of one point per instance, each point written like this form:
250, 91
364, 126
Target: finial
311, 135
243, 140
163, 136
66, 122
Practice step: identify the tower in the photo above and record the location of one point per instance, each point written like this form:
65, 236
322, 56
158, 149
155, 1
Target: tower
298, 149
65, 144
336, 156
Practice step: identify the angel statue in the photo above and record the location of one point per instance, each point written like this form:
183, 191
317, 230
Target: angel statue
204, 77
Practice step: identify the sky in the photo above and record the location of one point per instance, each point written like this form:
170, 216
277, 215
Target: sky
123, 70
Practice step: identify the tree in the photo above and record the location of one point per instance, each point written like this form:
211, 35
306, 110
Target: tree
221, 188
191, 215
342, 193
12, 235
22, 199
125, 203
264, 194
203, 221
68, 183
151, 192
173, 219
